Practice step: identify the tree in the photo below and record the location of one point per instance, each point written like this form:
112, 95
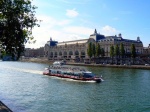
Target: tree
98, 50
117, 53
133, 51
112, 51
102, 52
93, 50
117, 50
89, 50
17, 19
122, 51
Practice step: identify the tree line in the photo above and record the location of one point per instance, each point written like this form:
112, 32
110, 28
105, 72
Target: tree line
95, 50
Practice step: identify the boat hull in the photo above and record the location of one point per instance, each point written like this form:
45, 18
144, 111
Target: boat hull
95, 79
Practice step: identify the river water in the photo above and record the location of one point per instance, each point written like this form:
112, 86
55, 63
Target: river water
23, 88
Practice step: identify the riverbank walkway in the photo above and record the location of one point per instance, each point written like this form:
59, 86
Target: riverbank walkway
4, 108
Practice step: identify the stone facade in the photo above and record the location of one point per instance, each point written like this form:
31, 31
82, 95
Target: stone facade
78, 48
68, 50
146, 50
34, 52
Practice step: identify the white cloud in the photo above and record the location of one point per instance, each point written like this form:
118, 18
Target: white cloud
64, 22
47, 21
74, 37
42, 34
108, 30
72, 13
79, 30
46, 30
61, 31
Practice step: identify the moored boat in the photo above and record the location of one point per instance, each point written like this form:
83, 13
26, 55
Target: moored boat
59, 63
71, 73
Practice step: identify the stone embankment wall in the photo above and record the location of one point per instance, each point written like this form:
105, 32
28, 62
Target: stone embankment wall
46, 61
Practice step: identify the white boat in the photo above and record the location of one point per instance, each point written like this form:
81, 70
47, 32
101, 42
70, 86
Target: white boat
71, 73
59, 63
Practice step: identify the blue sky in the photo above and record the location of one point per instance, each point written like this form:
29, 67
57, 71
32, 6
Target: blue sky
65, 20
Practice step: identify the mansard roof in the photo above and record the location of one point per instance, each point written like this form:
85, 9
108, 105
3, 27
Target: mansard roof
134, 41
115, 38
72, 42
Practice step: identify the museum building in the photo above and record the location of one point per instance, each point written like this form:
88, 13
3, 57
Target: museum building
78, 48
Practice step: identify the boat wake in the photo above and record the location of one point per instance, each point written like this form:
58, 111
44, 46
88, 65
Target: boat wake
24, 70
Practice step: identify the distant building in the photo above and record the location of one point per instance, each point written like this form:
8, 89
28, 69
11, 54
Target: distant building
67, 50
114, 40
146, 51
78, 48
39, 52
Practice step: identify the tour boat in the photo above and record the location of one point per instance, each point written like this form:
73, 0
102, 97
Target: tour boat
72, 73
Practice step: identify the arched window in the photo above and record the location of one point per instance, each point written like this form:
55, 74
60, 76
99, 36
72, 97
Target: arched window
82, 53
60, 53
51, 53
70, 53
55, 53
76, 53
65, 53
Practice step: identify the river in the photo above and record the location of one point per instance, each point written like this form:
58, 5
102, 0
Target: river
23, 88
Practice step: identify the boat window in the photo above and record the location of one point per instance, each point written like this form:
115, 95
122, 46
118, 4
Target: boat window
58, 72
76, 74
71, 73
88, 75
53, 71
68, 73
62, 72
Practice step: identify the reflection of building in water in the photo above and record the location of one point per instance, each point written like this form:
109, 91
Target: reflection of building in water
78, 48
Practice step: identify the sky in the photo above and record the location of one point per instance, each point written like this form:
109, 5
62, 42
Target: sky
65, 20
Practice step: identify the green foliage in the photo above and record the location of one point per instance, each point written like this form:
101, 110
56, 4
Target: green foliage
3, 53
112, 51
17, 18
89, 50
98, 50
133, 51
117, 50
102, 52
122, 51
93, 50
